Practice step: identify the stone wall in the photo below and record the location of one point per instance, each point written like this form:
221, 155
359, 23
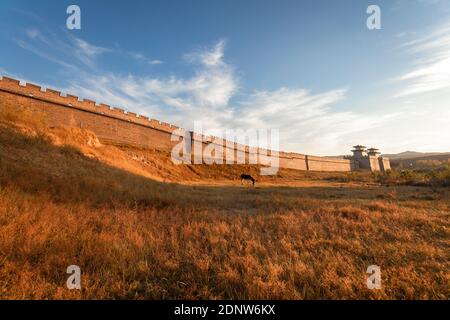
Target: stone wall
116, 126
384, 164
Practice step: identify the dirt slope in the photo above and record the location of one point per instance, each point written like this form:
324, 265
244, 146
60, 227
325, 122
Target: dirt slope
141, 228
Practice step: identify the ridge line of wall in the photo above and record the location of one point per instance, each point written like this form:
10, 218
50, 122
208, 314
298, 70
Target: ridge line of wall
49, 95
35, 92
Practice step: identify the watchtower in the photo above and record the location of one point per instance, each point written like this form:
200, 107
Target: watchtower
359, 151
373, 152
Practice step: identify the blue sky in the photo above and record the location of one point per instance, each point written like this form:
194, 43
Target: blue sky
309, 68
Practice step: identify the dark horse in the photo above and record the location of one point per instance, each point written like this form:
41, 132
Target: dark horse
247, 177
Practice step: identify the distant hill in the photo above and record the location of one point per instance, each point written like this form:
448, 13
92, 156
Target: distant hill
413, 159
414, 154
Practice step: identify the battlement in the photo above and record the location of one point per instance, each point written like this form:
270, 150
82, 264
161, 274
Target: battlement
50, 95
118, 126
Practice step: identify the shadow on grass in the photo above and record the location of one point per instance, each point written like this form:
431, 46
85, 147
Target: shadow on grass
65, 175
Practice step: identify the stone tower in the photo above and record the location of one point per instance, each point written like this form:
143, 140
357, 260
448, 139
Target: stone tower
359, 152
373, 152
368, 159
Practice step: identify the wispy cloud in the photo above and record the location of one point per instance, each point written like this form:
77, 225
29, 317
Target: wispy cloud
58, 48
33, 33
203, 96
86, 52
307, 121
431, 71
209, 57
43, 54
3, 71
55, 49
140, 57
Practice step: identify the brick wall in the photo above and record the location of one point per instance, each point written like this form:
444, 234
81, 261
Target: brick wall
114, 125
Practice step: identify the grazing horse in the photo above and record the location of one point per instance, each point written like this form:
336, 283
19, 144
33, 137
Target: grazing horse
247, 177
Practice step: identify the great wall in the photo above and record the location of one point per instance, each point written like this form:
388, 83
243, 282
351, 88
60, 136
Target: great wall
116, 126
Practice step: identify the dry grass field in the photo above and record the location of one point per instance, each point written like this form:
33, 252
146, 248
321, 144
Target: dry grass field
141, 228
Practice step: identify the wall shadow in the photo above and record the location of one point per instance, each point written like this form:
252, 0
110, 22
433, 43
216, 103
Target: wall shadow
65, 175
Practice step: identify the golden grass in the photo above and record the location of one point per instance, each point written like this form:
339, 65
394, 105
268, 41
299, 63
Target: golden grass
200, 234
